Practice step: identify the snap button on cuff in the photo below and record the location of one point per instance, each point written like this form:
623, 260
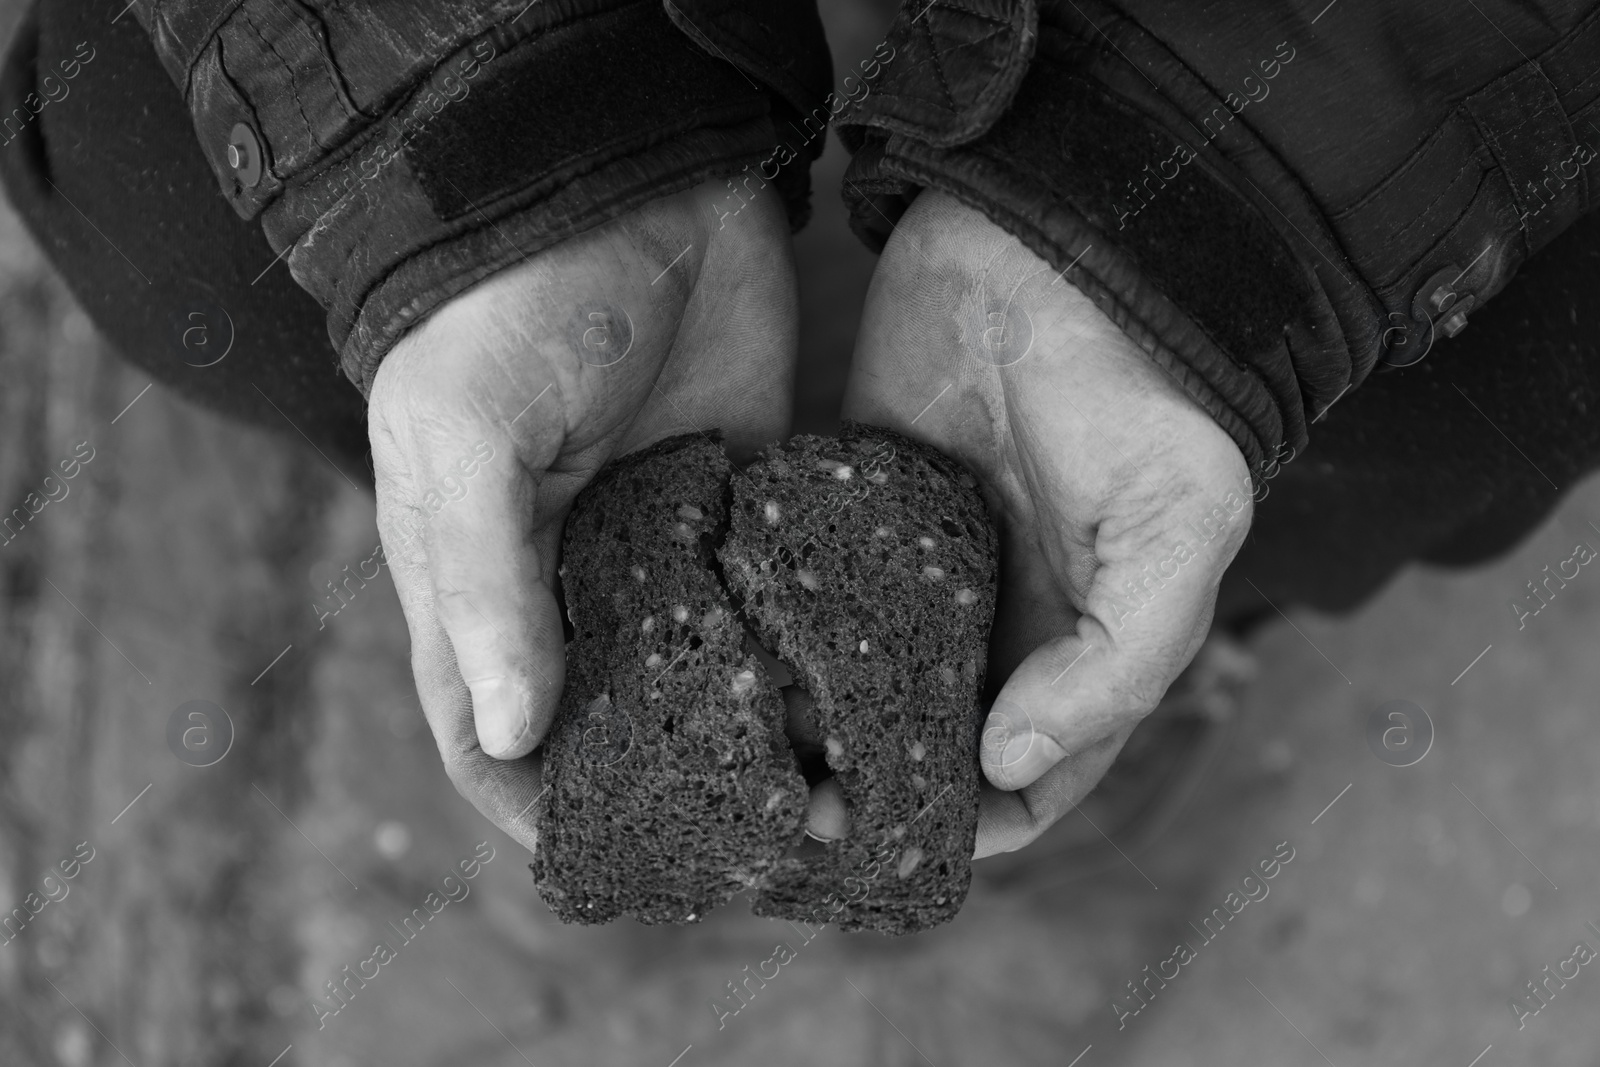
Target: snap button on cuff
244, 155
1456, 321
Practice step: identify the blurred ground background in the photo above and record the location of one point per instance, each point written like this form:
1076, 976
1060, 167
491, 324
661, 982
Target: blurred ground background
180, 567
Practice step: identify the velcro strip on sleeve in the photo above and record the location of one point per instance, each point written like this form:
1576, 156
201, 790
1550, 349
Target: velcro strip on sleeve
635, 77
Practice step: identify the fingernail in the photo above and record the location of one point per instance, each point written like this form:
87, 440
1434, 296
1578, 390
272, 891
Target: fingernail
996, 733
1007, 734
501, 719
1016, 749
826, 817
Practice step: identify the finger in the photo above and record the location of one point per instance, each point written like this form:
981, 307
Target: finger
504, 791
493, 586
827, 819
1009, 820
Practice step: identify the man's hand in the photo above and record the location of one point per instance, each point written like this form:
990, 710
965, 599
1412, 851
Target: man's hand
679, 316
1120, 501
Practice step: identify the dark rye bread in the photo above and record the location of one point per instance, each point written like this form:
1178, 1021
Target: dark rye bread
670, 784
867, 563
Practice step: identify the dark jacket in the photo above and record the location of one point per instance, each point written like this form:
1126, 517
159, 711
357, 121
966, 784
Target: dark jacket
1270, 200
1270, 197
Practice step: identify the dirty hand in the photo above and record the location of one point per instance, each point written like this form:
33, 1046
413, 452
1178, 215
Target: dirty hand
489, 417
1119, 500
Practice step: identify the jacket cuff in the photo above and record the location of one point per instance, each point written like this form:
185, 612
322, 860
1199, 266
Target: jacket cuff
514, 137
1114, 185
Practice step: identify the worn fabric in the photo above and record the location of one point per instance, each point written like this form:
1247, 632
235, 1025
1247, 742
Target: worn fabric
399, 151
1273, 198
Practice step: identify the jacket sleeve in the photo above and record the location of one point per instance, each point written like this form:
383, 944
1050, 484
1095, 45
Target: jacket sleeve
1273, 199
398, 151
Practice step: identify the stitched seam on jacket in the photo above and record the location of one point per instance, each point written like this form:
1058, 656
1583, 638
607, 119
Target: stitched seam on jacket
1570, 38
316, 39
938, 69
159, 17
1411, 162
289, 71
975, 14
887, 94
1421, 216
1444, 235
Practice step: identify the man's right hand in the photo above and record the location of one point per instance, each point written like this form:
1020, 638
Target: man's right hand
678, 316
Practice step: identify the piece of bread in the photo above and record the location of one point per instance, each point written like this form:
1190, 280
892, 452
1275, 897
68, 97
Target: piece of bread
867, 564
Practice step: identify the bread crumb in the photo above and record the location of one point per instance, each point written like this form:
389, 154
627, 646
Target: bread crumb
648, 624
966, 597
863, 648
712, 618
680, 613
683, 531
772, 513
844, 472
878, 477
692, 514
936, 573
834, 746
743, 681
638, 574
918, 751
807, 579
948, 675
653, 660
919, 782
882, 531
925, 541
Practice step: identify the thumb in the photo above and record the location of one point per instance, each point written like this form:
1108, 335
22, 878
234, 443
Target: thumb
1148, 607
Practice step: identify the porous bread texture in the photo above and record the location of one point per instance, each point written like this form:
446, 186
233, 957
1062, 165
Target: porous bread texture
867, 563
670, 786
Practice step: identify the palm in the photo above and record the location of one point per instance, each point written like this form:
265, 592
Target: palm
1092, 460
